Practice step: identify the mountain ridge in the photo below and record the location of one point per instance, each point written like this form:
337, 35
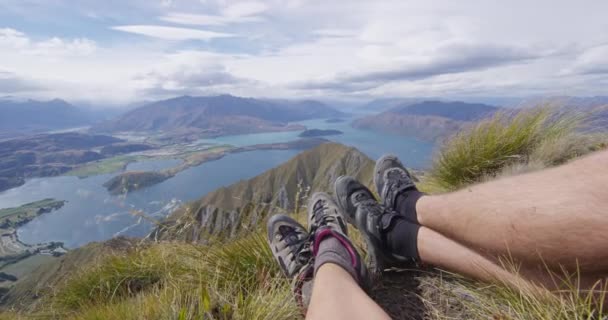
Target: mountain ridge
24, 116
427, 120
218, 115
234, 208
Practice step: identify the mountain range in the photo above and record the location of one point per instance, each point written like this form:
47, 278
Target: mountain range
218, 115
428, 120
32, 115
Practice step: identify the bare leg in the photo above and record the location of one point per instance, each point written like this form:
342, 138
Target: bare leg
442, 252
336, 295
559, 214
437, 250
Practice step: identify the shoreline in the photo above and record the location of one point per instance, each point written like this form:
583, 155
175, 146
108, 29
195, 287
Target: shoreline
13, 249
130, 181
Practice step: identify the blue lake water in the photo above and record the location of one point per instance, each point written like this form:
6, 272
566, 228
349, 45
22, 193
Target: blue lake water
412, 152
92, 214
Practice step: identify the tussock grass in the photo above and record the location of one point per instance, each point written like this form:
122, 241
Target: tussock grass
237, 280
495, 301
525, 139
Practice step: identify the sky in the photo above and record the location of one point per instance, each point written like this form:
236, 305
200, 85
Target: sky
116, 52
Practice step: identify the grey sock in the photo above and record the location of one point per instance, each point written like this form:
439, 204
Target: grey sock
331, 250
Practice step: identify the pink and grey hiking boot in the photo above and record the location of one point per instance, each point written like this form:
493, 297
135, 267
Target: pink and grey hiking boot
330, 243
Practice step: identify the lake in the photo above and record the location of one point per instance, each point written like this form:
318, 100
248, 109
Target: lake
92, 214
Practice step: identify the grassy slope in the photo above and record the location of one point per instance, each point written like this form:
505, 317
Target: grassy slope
236, 208
239, 279
104, 166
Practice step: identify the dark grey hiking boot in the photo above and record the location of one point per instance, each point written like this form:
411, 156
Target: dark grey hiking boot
396, 187
330, 243
291, 247
375, 222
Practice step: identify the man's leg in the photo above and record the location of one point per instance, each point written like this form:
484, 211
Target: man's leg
395, 239
559, 214
336, 295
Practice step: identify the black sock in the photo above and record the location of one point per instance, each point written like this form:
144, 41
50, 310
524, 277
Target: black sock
402, 238
406, 204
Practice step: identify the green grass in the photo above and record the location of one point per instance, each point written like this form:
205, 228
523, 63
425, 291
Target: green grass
512, 141
27, 211
238, 280
104, 166
28, 207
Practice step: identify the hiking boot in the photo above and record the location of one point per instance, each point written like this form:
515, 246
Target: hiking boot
375, 223
290, 245
323, 211
330, 243
396, 187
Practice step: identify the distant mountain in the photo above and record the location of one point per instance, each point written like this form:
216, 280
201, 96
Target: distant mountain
384, 104
32, 115
229, 210
429, 120
219, 115
568, 101
455, 110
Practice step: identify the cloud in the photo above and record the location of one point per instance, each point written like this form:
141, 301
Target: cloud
593, 61
10, 83
189, 72
244, 9
243, 12
205, 20
450, 59
172, 33
297, 48
11, 39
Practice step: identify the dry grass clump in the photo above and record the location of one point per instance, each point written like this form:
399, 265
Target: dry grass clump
513, 142
237, 280
475, 300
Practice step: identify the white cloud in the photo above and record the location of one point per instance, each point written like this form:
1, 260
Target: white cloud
244, 9
206, 20
172, 33
591, 61
243, 12
188, 72
11, 39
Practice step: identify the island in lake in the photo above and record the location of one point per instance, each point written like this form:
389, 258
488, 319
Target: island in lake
319, 133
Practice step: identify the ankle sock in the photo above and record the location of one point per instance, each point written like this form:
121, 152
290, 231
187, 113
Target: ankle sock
402, 237
331, 250
406, 204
